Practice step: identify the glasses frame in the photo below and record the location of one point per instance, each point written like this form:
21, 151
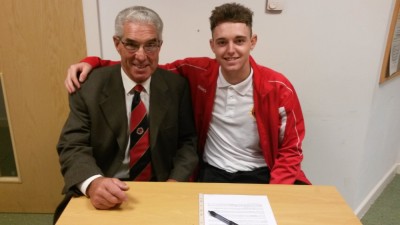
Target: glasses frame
149, 47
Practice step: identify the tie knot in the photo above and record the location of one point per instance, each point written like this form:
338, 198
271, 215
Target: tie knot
138, 88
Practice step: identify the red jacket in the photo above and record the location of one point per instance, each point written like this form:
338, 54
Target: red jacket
276, 109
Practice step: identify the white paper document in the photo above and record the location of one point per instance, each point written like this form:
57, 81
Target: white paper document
217, 209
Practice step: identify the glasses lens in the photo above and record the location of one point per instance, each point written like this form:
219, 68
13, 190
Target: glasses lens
148, 47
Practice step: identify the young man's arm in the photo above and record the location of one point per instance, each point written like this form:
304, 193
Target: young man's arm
287, 165
77, 73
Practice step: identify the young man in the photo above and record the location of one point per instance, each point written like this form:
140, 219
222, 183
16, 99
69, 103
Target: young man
248, 117
104, 142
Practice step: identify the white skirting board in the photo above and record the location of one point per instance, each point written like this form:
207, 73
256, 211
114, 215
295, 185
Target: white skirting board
376, 191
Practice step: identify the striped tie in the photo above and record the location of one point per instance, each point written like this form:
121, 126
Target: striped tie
140, 157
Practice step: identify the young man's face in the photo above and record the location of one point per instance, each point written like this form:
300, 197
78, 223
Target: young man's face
231, 44
139, 48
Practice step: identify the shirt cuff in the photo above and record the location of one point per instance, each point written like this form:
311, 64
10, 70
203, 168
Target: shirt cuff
85, 184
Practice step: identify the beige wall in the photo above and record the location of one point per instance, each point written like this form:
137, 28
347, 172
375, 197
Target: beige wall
38, 41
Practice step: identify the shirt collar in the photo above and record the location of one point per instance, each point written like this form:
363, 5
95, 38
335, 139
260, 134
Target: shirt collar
241, 87
129, 84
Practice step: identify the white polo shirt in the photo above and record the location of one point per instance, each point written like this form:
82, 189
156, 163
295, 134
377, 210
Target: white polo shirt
232, 142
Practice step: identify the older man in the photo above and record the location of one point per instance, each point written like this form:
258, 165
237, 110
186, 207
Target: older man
105, 138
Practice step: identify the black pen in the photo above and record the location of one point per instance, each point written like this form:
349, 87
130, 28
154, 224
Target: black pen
223, 219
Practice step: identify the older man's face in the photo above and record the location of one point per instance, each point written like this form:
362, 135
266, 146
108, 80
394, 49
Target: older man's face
139, 48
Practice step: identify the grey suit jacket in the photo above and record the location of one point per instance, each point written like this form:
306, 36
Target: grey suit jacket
95, 135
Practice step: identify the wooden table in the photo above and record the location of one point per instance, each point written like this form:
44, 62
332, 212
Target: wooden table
153, 203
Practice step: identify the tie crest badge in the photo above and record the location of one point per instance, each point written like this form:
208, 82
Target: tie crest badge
140, 130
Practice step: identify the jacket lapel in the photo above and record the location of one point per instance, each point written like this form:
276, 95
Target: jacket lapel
159, 102
112, 106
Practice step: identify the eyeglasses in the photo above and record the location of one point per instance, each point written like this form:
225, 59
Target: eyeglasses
149, 47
